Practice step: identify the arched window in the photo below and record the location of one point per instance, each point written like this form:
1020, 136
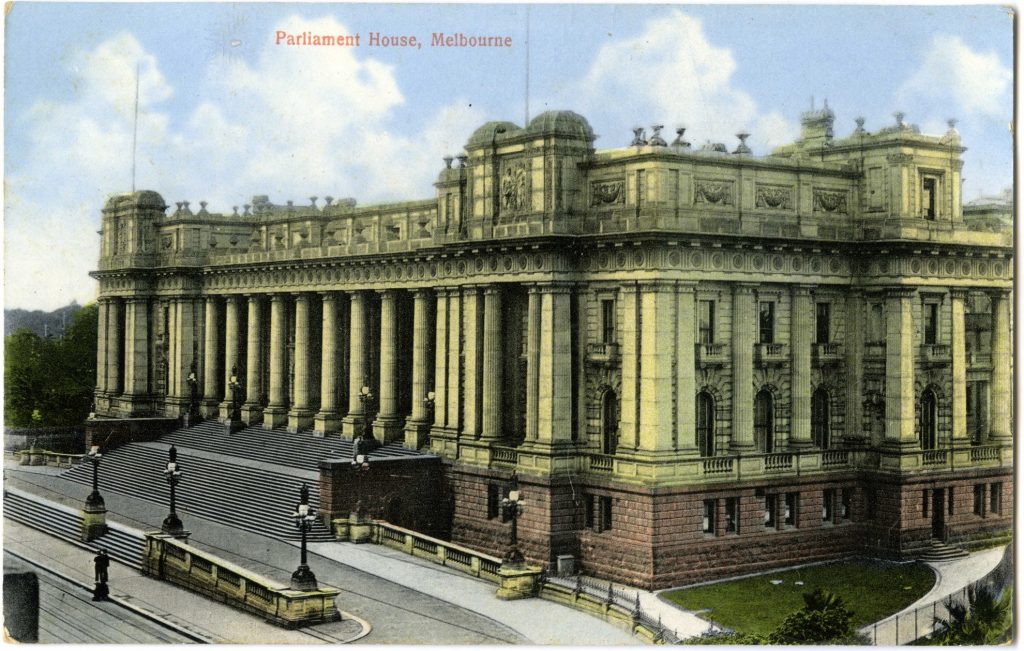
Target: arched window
764, 421
706, 424
609, 422
821, 419
929, 418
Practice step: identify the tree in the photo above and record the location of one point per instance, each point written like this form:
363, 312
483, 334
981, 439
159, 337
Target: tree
823, 619
983, 620
47, 381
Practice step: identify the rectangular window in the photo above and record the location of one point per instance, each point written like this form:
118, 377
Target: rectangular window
846, 504
924, 503
928, 198
588, 511
732, 509
767, 322
931, 323
995, 503
979, 499
828, 499
770, 503
493, 501
709, 516
606, 513
706, 328
790, 514
608, 321
822, 322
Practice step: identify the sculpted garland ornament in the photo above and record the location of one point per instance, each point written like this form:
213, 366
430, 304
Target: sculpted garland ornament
606, 192
718, 193
830, 201
772, 197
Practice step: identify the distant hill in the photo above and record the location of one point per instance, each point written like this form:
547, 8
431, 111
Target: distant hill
44, 324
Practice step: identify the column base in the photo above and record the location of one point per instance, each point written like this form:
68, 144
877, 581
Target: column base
326, 422
232, 425
252, 413
209, 408
387, 429
800, 445
300, 419
274, 417
417, 434
352, 426
94, 523
444, 441
742, 447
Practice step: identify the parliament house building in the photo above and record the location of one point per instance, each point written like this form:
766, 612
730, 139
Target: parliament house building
695, 362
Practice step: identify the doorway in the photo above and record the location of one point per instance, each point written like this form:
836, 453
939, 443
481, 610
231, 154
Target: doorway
939, 513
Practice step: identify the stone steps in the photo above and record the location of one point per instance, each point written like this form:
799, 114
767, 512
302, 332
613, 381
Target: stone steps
237, 492
63, 522
940, 552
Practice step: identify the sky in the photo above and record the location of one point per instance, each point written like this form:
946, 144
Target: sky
225, 113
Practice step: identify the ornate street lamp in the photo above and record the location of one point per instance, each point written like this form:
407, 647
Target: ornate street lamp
95, 500
235, 386
428, 402
366, 398
303, 578
193, 396
172, 523
512, 508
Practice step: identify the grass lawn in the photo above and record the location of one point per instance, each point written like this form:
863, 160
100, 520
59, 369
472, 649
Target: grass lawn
871, 589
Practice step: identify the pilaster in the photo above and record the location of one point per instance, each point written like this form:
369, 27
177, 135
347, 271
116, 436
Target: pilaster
856, 313
473, 376
417, 427
1002, 384
958, 348
492, 364
532, 361
115, 343
629, 419
554, 371
899, 368
801, 318
103, 310
658, 322
744, 315
686, 389
136, 357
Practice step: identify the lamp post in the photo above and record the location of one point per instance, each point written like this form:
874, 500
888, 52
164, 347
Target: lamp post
303, 578
428, 403
235, 386
172, 523
193, 397
366, 398
512, 508
95, 500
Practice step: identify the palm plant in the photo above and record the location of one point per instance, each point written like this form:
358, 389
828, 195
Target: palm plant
984, 619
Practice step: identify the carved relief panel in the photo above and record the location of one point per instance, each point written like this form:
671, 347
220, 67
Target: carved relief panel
514, 187
773, 197
607, 192
831, 201
713, 192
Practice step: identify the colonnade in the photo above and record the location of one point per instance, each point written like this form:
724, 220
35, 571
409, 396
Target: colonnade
457, 351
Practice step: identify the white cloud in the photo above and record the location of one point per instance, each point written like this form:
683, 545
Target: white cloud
673, 75
950, 72
291, 123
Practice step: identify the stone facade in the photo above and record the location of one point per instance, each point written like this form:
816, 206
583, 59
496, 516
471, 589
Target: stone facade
669, 347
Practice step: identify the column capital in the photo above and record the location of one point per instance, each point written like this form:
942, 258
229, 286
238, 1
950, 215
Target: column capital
137, 299
423, 292
491, 289
999, 293
555, 287
657, 286
686, 286
278, 297
959, 293
389, 292
803, 289
745, 288
328, 297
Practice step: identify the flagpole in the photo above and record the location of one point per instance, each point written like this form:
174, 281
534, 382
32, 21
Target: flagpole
135, 125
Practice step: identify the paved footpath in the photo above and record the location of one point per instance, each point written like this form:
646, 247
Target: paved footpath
404, 599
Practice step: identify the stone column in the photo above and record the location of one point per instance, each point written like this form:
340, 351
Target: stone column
744, 316
136, 354
532, 362
441, 360
856, 321
232, 346
388, 424
686, 389
252, 410
492, 364
657, 348
454, 422
802, 319
115, 340
1001, 425
899, 368
554, 408
352, 424
103, 309
183, 337
276, 413
958, 349
417, 427
301, 415
211, 359
328, 419
472, 324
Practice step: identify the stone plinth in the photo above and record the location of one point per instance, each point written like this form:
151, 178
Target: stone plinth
518, 582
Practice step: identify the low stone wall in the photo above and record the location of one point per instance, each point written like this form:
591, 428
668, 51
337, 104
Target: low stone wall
61, 439
181, 564
111, 433
39, 457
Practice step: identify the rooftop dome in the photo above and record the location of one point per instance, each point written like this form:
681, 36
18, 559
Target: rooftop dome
562, 123
486, 134
142, 198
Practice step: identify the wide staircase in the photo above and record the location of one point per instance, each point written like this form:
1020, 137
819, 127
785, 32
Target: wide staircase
940, 552
122, 544
249, 479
